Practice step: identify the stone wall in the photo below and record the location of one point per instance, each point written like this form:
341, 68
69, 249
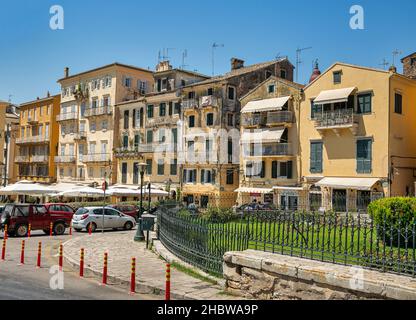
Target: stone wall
409, 66
259, 275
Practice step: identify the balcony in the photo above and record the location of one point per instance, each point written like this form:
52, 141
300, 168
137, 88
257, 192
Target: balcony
254, 120
21, 159
67, 116
163, 121
209, 101
127, 153
81, 135
39, 158
99, 111
270, 150
65, 159
279, 118
157, 147
190, 104
201, 157
97, 158
33, 140
336, 120
32, 120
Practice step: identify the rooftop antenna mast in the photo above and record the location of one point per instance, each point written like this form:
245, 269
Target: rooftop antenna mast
384, 64
214, 47
184, 56
165, 55
395, 54
299, 61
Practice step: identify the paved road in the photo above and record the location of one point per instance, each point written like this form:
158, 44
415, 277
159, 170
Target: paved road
28, 282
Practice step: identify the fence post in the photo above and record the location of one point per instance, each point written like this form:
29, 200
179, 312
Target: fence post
167, 291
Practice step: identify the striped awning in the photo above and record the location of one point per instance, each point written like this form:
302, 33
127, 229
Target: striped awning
364, 184
254, 190
267, 135
334, 96
275, 104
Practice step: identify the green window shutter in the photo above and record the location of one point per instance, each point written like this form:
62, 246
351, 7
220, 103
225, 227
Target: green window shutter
149, 136
364, 156
170, 108
202, 176
290, 169
263, 169
316, 157
274, 169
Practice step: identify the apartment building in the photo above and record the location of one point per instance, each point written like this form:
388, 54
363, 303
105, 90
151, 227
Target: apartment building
211, 138
3, 106
149, 130
269, 153
88, 123
38, 138
357, 137
8, 173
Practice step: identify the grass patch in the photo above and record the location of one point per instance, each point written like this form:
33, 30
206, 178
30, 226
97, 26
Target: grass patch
192, 273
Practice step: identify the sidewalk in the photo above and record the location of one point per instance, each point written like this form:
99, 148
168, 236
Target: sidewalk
150, 269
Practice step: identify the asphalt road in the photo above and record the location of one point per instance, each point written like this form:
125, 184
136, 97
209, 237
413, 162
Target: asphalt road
26, 282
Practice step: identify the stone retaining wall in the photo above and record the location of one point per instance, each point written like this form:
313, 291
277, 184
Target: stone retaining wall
259, 275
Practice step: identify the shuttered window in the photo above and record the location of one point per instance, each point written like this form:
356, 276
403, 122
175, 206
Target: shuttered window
316, 109
398, 103
364, 156
316, 157
274, 169
364, 103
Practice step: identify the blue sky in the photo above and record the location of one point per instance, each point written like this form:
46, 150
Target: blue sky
32, 56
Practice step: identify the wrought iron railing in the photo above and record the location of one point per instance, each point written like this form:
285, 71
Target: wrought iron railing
67, 116
273, 150
65, 159
348, 239
99, 111
279, 117
338, 118
253, 120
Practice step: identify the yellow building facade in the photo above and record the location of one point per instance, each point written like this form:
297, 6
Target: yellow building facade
38, 139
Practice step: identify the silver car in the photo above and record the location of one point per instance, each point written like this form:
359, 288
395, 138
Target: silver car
93, 216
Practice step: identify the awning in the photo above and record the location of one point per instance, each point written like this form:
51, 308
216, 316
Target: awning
275, 104
26, 188
333, 96
364, 184
266, 135
254, 190
289, 188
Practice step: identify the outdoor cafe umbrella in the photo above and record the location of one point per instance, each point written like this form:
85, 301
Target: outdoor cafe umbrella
86, 192
26, 189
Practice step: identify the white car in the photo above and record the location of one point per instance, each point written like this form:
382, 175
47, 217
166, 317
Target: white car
93, 216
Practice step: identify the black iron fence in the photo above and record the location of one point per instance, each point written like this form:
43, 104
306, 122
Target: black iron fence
347, 239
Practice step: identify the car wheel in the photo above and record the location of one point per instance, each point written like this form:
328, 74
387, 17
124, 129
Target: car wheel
93, 227
128, 225
21, 230
59, 229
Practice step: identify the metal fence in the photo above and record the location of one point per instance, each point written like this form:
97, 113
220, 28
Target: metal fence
347, 239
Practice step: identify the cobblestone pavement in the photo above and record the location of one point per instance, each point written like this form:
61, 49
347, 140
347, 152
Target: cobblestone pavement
150, 269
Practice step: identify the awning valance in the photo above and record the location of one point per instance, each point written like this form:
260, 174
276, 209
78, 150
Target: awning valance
333, 96
266, 135
364, 184
275, 104
254, 190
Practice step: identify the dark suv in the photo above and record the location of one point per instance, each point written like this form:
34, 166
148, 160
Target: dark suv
17, 217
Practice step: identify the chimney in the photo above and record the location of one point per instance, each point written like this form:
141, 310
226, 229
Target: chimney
393, 69
163, 66
66, 72
48, 94
237, 64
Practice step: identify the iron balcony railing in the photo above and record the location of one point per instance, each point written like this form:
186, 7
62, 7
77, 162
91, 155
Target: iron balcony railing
279, 117
65, 159
34, 139
338, 118
127, 152
253, 120
201, 157
81, 135
39, 158
99, 111
190, 104
98, 157
67, 116
272, 150
157, 147
21, 159
208, 101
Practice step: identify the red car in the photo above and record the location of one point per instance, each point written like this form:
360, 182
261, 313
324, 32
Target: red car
129, 210
17, 217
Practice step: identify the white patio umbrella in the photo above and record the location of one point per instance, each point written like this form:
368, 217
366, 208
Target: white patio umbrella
155, 192
123, 192
82, 192
26, 189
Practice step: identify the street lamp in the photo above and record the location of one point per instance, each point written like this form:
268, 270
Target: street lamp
139, 234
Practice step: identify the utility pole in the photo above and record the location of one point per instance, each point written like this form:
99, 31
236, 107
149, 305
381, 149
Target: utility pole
299, 61
214, 47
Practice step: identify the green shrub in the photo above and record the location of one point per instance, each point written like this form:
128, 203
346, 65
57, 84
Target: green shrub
216, 214
394, 215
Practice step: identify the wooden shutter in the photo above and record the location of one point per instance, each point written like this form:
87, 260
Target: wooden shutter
274, 169
289, 169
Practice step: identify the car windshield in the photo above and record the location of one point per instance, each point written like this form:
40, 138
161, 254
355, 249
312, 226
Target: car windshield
7, 212
81, 211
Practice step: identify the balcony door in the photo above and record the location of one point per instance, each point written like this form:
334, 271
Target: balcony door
104, 145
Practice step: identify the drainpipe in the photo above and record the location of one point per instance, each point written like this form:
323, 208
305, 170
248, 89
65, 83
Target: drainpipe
6, 163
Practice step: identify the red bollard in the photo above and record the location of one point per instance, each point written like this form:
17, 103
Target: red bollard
51, 229
22, 254
29, 230
133, 276
90, 229
3, 251
105, 268
38, 264
61, 257
81, 264
5, 232
167, 291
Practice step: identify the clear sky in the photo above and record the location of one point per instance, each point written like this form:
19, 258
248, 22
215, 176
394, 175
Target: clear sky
97, 32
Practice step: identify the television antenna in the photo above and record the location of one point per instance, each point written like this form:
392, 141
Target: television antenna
395, 54
298, 60
184, 56
384, 64
214, 47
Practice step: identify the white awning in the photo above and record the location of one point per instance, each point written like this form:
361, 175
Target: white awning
364, 184
254, 190
266, 135
275, 104
334, 96
289, 188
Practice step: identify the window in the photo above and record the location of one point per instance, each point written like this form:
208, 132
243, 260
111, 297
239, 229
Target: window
210, 119
316, 157
191, 95
263, 169
170, 108
206, 176
271, 88
92, 126
136, 141
210, 92
136, 173
337, 77
283, 74
177, 108
364, 155
274, 169
149, 136
126, 119
364, 103
150, 111
149, 170
94, 103
127, 82
315, 109
134, 118
125, 142
398, 103
174, 167
230, 120
161, 167
230, 150
231, 93
162, 110
268, 74
191, 121
230, 176
162, 135
174, 136
124, 173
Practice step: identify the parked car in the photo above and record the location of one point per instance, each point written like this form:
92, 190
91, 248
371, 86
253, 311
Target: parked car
255, 207
17, 217
93, 216
60, 209
128, 210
